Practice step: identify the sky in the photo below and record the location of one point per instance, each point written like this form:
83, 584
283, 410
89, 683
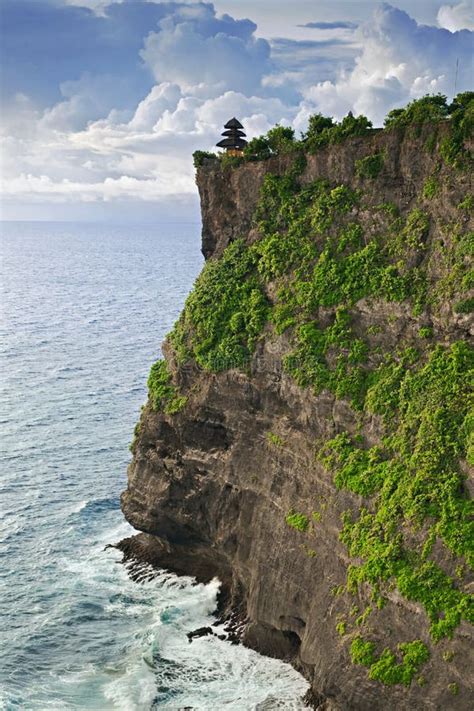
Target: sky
103, 103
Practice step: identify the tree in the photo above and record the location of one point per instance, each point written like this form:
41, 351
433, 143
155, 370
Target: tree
257, 149
316, 124
281, 139
278, 140
428, 108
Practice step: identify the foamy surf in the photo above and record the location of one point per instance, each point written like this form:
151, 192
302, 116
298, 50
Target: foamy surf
207, 673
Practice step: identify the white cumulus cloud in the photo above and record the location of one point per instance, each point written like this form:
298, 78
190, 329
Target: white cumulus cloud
94, 147
193, 47
456, 17
400, 61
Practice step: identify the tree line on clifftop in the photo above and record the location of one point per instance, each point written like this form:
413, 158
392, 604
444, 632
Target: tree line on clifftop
323, 130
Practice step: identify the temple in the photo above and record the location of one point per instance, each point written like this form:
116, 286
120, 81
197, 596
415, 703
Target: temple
234, 141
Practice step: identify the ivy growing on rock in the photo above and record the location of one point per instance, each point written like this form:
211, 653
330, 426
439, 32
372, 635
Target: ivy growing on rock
416, 478
225, 313
370, 166
163, 394
387, 668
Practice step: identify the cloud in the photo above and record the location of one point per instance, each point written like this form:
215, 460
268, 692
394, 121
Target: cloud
193, 47
400, 61
144, 84
39, 187
46, 43
297, 63
145, 158
456, 17
298, 55
89, 98
102, 143
214, 112
163, 97
339, 25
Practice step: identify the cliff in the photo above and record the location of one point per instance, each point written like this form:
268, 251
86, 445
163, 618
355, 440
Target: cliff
306, 438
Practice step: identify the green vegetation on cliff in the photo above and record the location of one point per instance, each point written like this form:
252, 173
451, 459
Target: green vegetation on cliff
163, 394
416, 480
386, 667
323, 131
298, 521
225, 313
327, 257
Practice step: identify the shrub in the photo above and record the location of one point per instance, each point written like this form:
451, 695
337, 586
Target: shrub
462, 123
275, 439
362, 652
462, 112
362, 619
425, 332
351, 126
257, 149
361, 471
225, 313
370, 166
464, 307
298, 521
385, 668
416, 229
430, 188
428, 407
281, 139
322, 131
316, 124
163, 394
200, 157
431, 142
317, 133
227, 160
278, 141
388, 671
427, 109
467, 204
462, 102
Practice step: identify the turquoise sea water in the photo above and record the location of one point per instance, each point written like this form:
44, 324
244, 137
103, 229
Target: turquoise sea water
84, 311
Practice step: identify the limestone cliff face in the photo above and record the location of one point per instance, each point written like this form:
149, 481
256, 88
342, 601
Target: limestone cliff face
211, 486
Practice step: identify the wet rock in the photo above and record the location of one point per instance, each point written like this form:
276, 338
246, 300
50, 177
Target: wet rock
200, 632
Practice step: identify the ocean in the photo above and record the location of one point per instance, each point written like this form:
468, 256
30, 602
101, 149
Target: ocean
84, 311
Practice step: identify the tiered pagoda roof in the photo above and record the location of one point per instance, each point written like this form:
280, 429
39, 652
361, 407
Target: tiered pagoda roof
234, 136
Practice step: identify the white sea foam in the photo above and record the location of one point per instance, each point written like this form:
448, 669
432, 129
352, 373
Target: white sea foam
207, 673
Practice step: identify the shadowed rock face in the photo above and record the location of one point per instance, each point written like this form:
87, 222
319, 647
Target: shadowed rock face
210, 490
